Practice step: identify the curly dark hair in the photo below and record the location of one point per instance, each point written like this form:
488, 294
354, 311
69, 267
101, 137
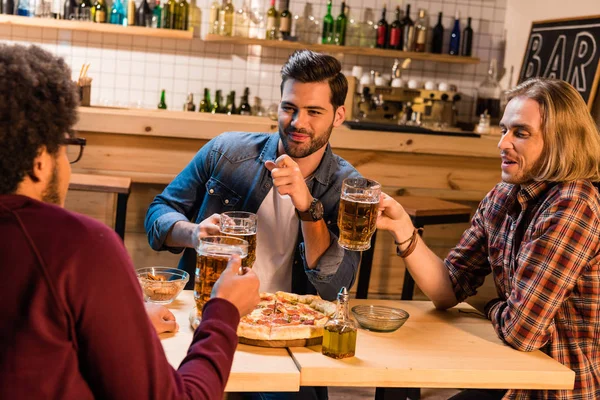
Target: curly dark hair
38, 106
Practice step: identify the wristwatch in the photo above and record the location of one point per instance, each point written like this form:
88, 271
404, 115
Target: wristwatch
314, 212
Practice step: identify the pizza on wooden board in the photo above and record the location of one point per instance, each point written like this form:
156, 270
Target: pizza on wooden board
286, 316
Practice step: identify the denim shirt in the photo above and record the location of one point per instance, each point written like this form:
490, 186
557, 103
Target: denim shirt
228, 174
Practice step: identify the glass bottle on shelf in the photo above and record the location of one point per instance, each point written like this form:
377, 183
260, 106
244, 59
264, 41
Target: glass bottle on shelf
285, 22
169, 14
245, 108
99, 12
258, 109
489, 93
306, 27
272, 22
341, 23
421, 29
437, 36
24, 8
8, 7
84, 13
131, 20
217, 107
205, 104
467, 40
194, 18
117, 13
230, 107
382, 30
162, 105
327, 34
213, 18
352, 30
339, 333
144, 14
368, 29
56, 11
182, 15
408, 31
70, 9
395, 41
455, 36
257, 22
241, 20
189, 103
226, 19
157, 15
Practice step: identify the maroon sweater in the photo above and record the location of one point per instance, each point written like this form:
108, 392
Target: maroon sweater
73, 323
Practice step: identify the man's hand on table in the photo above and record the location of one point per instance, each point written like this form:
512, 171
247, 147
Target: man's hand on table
161, 318
240, 290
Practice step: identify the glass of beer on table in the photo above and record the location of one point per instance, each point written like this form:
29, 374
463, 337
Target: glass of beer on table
357, 217
214, 253
241, 224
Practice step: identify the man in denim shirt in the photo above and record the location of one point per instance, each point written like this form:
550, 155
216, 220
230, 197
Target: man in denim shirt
291, 180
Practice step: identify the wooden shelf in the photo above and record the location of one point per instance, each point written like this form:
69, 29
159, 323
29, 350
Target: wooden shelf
15, 20
328, 48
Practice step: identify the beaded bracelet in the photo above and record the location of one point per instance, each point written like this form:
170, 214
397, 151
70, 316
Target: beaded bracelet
411, 247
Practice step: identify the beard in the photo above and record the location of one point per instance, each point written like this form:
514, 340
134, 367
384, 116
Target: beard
302, 150
52, 193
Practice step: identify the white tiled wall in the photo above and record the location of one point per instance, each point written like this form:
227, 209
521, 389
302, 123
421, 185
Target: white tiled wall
130, 70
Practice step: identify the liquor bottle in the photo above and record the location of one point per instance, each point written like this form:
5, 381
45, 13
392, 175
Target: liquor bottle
339, 333
144, 14
245, 108
24, 8
467, 40
421, 28
382, 31
226, 19
327, 35
157, 15
117, 13
353, 30
488, 95
99, 12
70, 9
230, 105
213, 18
437, 39
205, 104
131, 13
272, 22
241, 20
395, 41
189, 104
455, 36
182, 15
285, 22
8, 7
162, 105
217, 108
340, 27
169, 12
368, 30
56, 10
194, 20
307, 28
408, 31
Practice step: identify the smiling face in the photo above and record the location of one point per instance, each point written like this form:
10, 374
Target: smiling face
522, 140
306, 117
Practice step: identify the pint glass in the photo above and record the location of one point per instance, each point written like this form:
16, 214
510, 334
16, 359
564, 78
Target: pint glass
357, 217
242, 225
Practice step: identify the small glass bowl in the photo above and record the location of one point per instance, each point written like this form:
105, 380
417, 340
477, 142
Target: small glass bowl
162, 285
379, 318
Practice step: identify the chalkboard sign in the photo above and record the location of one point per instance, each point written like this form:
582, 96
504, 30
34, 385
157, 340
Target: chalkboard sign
567, 49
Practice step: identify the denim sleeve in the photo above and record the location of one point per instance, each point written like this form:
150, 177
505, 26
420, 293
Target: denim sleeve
336, 268
179, 200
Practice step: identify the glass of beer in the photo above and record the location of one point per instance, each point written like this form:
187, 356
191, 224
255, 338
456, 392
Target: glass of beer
214, 253
241, 224
357, 217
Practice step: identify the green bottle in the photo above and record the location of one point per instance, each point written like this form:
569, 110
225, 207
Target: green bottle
245, 108
285, 22
205, 103
327, 36
157, 15
230, 108
182, 12
169, 11
340, 27
272, 22
162, 105
216, 107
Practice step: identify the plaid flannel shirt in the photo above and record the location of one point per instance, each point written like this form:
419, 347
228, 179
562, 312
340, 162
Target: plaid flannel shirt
541, 241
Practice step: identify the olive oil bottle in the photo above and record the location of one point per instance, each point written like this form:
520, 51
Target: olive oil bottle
339, 334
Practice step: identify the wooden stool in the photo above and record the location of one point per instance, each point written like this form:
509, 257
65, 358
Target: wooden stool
106, 184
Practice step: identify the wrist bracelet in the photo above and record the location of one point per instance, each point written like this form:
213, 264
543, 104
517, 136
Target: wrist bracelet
411, 247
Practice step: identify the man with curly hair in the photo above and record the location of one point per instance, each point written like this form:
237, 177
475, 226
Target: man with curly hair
73, 320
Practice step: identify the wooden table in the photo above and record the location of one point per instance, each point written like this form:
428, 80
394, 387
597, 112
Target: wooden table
438, 349
255, 369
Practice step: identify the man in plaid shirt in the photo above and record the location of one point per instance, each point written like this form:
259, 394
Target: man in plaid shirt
538, 234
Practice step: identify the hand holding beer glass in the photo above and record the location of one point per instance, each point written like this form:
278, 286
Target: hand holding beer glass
241, 224
357, 217
214, 253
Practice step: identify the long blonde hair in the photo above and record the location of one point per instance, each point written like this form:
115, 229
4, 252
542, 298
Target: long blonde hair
571, 147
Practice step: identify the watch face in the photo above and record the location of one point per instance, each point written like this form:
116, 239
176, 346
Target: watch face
316, 210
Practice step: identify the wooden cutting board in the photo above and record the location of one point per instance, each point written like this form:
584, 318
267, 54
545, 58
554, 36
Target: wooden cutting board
282, 343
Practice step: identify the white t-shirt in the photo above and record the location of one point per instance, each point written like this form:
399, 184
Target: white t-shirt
276, 238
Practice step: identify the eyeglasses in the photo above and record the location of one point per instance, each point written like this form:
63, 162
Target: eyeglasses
74, 148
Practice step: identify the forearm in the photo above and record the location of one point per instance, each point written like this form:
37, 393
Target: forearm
316, 241
181, 235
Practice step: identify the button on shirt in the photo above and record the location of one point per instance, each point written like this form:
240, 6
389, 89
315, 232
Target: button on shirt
542, 243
